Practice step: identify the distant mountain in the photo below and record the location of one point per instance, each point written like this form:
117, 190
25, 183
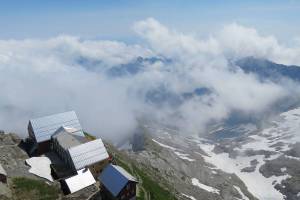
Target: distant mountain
266, 69
134, 67
162, 95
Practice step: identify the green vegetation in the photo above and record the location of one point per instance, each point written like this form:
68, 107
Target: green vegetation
141, 195
148, 188
89, 136
155, 191
29, 189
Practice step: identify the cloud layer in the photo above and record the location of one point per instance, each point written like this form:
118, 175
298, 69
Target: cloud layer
40, 77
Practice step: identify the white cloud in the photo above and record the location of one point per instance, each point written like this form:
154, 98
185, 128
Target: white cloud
239, 41
40, 77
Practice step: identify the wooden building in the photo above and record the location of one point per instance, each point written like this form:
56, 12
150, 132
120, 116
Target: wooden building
62, 140
117, 184
41, 129
92, 155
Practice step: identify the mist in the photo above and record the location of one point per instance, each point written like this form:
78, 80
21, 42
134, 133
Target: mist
42, 77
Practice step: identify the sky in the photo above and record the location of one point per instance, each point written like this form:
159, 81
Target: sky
105, 19
57, 56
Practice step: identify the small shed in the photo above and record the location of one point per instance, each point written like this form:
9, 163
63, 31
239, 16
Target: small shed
3, 175
117, 183
41, 129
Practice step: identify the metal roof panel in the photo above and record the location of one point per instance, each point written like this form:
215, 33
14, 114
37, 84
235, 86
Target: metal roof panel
88, 153
115, 178
44, 127
83, 179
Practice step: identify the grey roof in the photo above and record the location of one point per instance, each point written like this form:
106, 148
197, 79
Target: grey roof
81, 139
44, 127
115, 178
2, 170
88, 153
65, 139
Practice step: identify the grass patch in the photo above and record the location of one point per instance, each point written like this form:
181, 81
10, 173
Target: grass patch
30, 189
89, 136
151, 187
155, 191
141, 195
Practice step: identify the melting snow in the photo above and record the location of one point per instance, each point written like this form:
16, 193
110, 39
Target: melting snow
292, 157
40, 166
183, 156
244, 197
164, 145
188, 196
204, 187
283, 169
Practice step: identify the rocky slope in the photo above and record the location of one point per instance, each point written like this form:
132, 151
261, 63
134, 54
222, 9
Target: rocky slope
256, 163
243, 162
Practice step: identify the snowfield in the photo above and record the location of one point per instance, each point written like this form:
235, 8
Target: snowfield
284, 130
243, 156
229, 165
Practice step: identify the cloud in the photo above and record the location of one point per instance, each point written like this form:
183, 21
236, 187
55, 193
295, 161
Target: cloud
239, 41
41, 77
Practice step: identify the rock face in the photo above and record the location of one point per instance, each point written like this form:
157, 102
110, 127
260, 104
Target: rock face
12, 157
284, 166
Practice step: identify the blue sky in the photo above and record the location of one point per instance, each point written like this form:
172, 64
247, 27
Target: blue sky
107, 19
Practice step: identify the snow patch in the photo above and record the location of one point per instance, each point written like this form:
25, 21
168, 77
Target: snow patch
244, 197
40, 166
205, 187
188, 196
283, 169
164, 145
183, 156
292, 157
